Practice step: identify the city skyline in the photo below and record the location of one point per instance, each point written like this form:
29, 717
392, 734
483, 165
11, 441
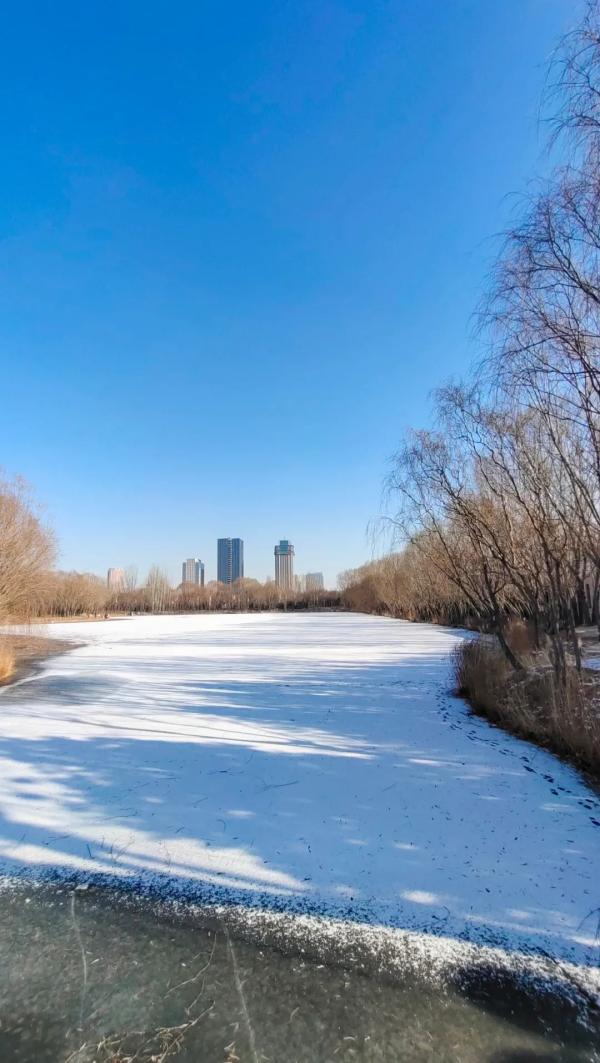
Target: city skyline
193, 570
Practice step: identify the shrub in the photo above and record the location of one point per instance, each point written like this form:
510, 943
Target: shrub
480, 671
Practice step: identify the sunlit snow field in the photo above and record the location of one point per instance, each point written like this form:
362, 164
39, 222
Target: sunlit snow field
316, 763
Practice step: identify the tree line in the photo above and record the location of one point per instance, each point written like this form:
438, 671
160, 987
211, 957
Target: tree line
497, 506
156, 595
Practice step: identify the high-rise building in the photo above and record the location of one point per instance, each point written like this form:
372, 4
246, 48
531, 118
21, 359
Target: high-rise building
230, 560
192, 571
115, 579
284, 565
314, 581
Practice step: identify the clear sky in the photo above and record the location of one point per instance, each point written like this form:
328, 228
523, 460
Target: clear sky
240, 243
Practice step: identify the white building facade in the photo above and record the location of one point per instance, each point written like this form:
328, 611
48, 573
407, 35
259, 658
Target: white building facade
192, 571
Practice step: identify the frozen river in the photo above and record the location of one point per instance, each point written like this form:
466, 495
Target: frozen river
309, 763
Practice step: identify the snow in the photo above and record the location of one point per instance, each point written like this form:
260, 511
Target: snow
312, 764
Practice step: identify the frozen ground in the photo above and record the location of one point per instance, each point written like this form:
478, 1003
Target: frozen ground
312, 763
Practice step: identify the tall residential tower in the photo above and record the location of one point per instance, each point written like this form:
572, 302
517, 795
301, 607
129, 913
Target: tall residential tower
192, 571
115, 580
284, 565
230, 560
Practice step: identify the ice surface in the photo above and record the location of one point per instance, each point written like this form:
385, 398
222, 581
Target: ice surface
313, 762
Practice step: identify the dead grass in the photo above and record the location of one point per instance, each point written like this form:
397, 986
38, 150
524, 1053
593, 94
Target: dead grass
520, 636
531, 704
7, 663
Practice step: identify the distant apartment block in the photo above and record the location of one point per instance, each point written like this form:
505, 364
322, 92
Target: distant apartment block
192, 571
284, 565
230, 560
115, 579
300, 584
313, 581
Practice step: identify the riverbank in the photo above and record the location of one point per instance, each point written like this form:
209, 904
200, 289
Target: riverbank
21, 655
564, 718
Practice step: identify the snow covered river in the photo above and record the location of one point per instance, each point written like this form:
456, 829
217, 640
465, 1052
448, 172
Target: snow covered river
310, 764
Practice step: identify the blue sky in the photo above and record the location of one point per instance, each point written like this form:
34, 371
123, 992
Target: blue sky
240, 243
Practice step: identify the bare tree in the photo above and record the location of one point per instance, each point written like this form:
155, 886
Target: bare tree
159, 589
544, 309
130, 578
27, 549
